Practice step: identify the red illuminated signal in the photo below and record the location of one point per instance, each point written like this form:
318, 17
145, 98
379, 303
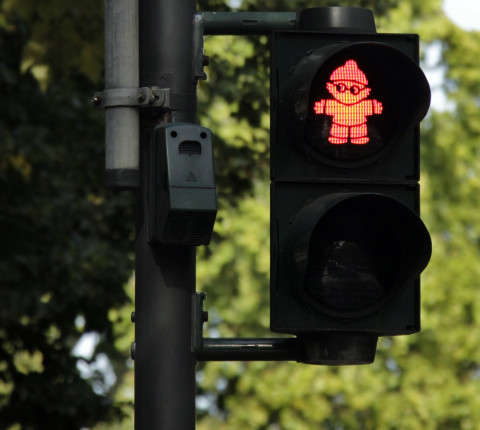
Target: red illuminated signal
349, 106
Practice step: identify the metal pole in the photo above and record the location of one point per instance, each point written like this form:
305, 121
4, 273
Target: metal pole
165, 274
122, 123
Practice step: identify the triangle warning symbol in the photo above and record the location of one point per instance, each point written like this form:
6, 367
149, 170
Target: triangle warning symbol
191, 177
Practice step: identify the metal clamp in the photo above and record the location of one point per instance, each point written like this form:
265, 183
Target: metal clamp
133, 97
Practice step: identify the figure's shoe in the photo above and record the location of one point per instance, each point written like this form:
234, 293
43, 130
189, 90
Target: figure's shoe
337, 140
360, 140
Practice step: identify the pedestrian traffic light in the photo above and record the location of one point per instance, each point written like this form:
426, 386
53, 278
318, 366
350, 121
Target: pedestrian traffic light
347, 243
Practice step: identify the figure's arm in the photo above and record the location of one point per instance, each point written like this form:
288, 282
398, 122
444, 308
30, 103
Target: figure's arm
377, 107
319, 107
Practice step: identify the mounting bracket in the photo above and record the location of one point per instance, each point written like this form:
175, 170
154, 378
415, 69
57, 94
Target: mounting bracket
310, 348
130, 97
237, 349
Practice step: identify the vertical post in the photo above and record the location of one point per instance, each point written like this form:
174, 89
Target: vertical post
122, 123
165, 274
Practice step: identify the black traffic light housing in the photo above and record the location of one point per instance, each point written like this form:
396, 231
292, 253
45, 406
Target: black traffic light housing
347, 243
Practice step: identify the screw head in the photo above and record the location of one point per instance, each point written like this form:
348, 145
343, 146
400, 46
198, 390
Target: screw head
132, 350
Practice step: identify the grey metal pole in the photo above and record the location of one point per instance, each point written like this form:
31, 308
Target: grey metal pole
121, 73
165, 274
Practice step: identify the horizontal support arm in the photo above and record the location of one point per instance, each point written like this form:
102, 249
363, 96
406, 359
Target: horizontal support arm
235, 349
255, 349
236, 23
317, 348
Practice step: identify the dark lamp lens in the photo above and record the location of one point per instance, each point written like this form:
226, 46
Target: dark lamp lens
344, 277
353, 260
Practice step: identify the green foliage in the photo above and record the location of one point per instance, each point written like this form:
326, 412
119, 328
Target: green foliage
63, 36
65, 248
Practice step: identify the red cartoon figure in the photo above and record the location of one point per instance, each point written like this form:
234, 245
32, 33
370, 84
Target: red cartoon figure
350, 106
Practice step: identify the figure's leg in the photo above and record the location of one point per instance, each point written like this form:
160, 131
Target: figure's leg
359, 134
338, 134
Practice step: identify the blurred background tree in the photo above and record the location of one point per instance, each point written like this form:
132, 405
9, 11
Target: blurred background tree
67, 242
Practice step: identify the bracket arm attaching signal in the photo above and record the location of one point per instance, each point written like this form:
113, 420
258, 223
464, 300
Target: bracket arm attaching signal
306, 348
237, 349
238, 23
